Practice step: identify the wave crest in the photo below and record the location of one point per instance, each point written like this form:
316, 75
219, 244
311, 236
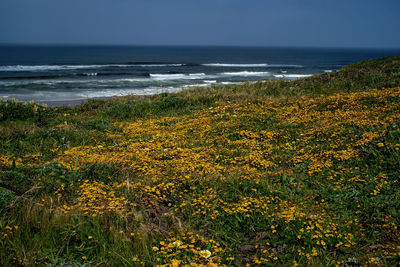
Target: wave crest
178, 76
247, 73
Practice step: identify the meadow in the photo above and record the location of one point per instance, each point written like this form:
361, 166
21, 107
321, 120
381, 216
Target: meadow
273, 173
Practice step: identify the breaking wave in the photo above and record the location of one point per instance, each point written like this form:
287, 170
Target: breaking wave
77, 67
178, 76
246, 73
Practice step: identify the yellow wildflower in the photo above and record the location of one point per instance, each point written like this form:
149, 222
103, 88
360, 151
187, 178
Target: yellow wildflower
205, 254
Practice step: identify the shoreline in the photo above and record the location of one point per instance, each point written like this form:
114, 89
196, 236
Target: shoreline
76, 102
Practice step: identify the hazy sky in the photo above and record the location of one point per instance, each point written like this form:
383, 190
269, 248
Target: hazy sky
326, 23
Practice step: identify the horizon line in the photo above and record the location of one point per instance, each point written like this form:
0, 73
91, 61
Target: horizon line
193, 45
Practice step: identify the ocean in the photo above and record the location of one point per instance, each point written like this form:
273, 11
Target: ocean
67, 73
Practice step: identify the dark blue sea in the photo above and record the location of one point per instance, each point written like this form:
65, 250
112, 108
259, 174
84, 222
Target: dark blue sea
63, 73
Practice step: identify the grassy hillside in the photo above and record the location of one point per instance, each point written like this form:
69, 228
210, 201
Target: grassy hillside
273, 173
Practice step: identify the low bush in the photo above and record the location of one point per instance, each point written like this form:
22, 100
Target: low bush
143, 108
6, 197
13, 110
15, 181
100, 125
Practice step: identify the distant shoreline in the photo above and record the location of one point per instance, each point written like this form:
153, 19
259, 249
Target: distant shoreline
69, 76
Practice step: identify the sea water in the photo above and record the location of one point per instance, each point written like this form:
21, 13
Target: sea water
64, 73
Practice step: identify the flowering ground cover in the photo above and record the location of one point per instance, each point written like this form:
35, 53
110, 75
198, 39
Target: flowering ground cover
257, 174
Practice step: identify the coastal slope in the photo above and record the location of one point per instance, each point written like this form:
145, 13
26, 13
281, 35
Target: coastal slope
304, 172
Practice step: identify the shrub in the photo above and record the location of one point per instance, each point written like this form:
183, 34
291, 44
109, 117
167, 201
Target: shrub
6, 197
100, 125
15, 181
12, 110
142, 108
169, 103
126, 110
53, 175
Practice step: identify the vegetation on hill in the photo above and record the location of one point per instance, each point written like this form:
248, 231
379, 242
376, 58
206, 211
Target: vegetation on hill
270, 173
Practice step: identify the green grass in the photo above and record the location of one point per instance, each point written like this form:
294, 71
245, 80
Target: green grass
269, 173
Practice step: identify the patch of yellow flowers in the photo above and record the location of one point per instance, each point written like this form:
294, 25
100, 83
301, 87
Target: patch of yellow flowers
95, 199
171, 157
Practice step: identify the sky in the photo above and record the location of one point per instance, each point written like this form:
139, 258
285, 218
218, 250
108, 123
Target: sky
288, 23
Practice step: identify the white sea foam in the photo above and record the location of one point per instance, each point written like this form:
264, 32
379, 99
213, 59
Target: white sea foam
229, 83
178, 76
48, 97
246, 73
292, 76
38, 68
106, 93
197, 85
328, 71
73, 81
210, 81
128, 91
250, 65
103, 82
